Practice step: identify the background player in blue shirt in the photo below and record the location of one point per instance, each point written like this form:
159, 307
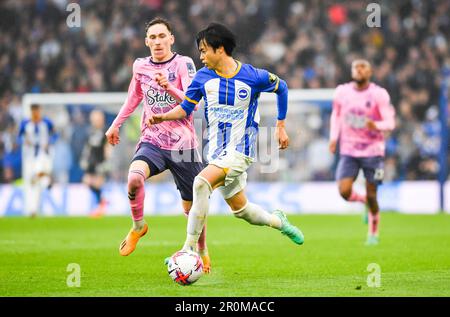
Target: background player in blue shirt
230, 91
37, 136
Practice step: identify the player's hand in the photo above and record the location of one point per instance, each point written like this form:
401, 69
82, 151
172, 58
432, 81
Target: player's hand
112, 135
371, 125
161, 80
155, 119
332, 146
282, 137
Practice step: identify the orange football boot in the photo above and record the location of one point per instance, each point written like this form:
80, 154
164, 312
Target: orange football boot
129, 243
206, 263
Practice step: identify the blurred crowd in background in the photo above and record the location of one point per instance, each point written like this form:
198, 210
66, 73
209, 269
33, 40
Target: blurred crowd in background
310, 44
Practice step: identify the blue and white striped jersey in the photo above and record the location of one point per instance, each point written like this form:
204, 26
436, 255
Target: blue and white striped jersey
231, 106
36, 137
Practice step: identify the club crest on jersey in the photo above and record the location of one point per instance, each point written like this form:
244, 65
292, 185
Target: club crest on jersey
172, 77
368, 104
242, 93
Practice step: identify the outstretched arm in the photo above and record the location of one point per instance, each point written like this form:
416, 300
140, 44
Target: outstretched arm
192, 98
133, 100
186, 72
175, 114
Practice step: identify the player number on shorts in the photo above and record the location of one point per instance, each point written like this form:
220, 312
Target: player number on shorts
379, 174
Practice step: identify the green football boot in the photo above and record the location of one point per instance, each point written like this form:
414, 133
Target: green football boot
372, 240
289, 230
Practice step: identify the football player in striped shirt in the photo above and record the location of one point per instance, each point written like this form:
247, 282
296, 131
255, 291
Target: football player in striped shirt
37, 135
230, 90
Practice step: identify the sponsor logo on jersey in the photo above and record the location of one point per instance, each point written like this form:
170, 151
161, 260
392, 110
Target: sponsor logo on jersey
155, 97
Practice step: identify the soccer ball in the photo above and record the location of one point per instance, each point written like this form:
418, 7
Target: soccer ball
185, 267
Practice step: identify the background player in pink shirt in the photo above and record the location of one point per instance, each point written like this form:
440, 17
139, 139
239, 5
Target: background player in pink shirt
361, 115
160, 80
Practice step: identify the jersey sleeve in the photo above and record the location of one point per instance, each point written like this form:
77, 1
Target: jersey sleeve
268, 82
134, 98
53, 136
187, 72
387, 112
193, 96
335, 116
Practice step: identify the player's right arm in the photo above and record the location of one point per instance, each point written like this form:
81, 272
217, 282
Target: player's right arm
335, 122
192, 98
133, 100
21, 135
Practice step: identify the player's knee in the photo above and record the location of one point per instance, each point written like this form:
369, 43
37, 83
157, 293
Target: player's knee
135, 181
201, 185
345, 192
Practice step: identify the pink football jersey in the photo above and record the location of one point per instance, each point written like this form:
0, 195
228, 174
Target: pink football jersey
351, 110
168, 135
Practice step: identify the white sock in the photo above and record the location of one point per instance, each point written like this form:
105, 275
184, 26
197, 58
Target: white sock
197, 215
138, 224
32, 198
256, 215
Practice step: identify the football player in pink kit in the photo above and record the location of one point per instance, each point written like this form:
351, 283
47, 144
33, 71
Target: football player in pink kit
361, 114
160, 80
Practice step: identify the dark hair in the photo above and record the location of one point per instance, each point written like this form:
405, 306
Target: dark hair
158, 20
217, 35
35, 106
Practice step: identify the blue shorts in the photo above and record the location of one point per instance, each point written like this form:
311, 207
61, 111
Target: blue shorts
373, 168
184, 165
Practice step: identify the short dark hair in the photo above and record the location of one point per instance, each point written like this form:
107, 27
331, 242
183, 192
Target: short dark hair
158, 20
35, 106
217, 35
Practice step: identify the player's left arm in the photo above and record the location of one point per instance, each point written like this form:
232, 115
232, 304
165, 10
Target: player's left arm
387, 113
268, 82
53, 136
186, 72
191, 99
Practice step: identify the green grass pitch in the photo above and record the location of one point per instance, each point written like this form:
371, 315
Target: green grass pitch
413, 255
